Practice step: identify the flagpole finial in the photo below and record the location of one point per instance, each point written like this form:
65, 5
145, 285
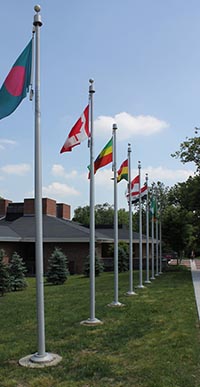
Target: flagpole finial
139, 164
91, 88
37, 8
114, 126
129, 148
37, 17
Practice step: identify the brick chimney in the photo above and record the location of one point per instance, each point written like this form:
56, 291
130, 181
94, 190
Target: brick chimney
48, 207
63, 211
3, 206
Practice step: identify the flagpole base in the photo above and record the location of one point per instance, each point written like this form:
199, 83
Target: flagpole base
37, 361
116, 303
140, 286
131, 293
156, 275
152, 278
91, 322
160, 272
147, 282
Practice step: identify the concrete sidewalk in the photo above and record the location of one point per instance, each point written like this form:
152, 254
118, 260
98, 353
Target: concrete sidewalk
196, 283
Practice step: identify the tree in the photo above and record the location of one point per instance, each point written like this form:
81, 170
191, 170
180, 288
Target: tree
189, 151
104, 215
178, 232
82, 215
98, 266
17, 272
57, 267
4, 274
123, 256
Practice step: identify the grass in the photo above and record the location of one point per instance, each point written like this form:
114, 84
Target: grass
153, 341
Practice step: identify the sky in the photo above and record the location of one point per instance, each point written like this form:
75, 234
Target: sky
144, 58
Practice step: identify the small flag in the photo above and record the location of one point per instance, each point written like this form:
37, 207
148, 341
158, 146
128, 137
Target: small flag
104, 157
123, 171
153, 208
78, 133
17, 82
135, 190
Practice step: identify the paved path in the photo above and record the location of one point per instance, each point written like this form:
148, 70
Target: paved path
195, 271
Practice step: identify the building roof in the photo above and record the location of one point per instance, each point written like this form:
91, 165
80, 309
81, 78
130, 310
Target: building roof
54, 230
123, 233
17, 223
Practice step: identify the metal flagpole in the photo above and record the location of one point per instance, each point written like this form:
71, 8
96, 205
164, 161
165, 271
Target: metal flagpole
157, 273
130, 292
147, 234
152, 239
41, 357
114, 166
41, 354
140, 230
160, 272
92, 320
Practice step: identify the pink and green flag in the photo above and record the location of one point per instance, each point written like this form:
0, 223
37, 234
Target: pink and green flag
17, 82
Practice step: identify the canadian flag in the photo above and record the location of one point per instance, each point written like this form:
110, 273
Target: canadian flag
78, 133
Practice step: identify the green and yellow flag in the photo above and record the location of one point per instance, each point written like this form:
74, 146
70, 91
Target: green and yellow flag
122, 173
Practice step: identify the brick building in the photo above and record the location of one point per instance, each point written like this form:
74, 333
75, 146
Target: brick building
17, 233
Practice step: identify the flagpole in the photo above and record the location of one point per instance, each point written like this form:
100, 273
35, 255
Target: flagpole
157, 273
114, 167
41, 357
152, 241
92, 320
140, 230
130, 292
147, 234
160, 272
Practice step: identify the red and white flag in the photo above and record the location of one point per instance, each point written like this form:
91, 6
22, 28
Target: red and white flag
135, 190
79, 132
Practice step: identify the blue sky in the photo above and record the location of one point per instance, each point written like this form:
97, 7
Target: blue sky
144, 58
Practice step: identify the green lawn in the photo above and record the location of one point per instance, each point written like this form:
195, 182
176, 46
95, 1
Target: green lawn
151, 342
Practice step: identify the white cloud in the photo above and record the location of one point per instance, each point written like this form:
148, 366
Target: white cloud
4, 142
165, 175
16, 169
59, 171
103, 177
59, 190
129, 125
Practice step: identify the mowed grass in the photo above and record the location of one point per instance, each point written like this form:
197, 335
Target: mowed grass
153, 341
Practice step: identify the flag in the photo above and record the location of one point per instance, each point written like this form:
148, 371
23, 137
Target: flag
135, 190
123, 171
153, 208
78, 133
17, 82
105, 156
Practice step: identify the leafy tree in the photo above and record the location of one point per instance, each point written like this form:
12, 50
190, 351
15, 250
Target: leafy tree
104, 215
17, 272
4, 274
82, 215
57, 267
189, 151
178, 232
98, 266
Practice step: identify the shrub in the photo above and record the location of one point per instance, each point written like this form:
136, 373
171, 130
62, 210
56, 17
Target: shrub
57, 267
123, 256
17, 272
98, 266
